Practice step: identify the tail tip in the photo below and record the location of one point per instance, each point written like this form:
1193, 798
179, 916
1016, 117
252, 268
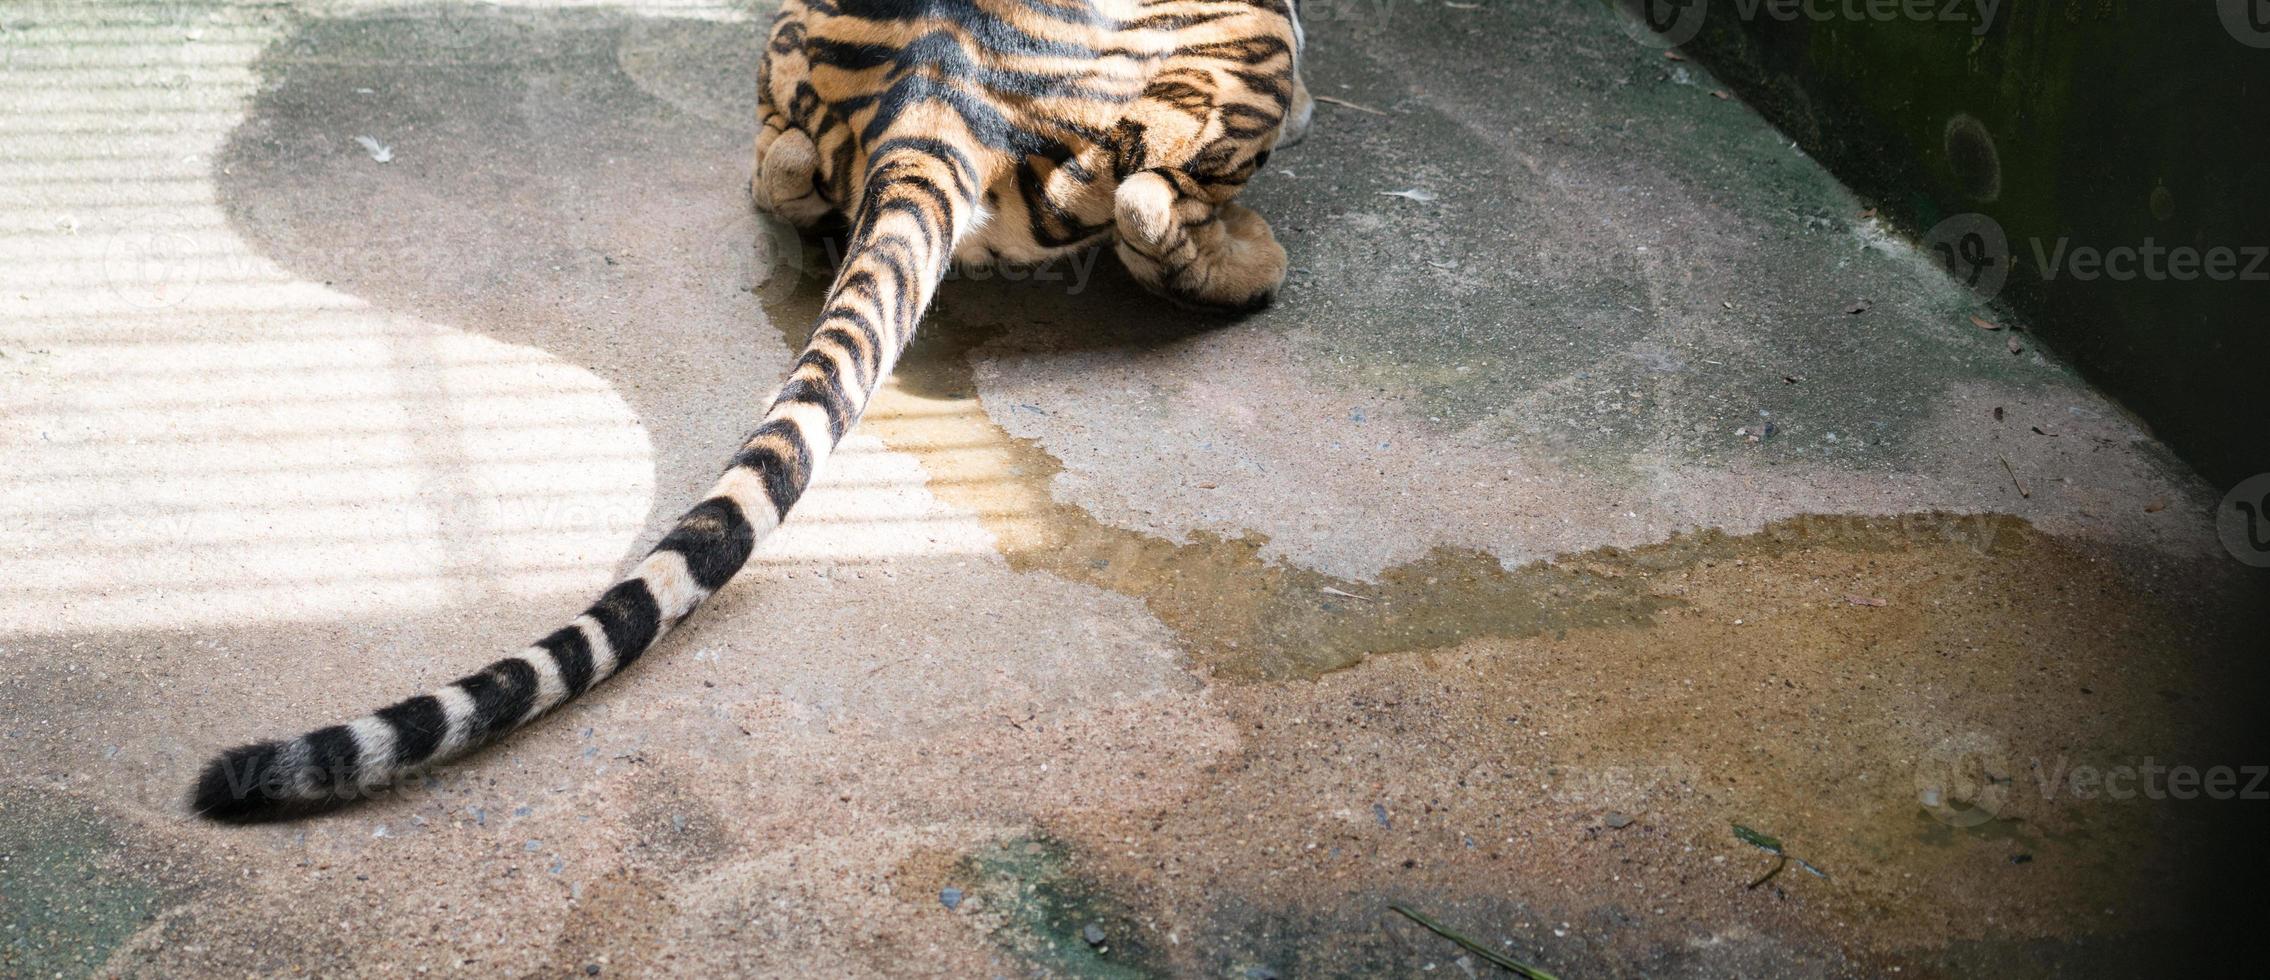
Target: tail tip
240, 786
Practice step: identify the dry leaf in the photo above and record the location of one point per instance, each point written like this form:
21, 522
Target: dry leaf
1985, 324
2156, 506
1674, 55
1720, 95
1861, 600
1412, 194
1870, 213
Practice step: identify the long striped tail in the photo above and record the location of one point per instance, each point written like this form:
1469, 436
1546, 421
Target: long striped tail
919, 196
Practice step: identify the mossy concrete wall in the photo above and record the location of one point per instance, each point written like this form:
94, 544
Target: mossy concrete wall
2120, 148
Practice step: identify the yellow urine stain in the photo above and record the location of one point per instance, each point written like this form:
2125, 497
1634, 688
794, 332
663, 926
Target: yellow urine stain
1245, 618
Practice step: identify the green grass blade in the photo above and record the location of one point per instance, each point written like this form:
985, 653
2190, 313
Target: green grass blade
1510, 964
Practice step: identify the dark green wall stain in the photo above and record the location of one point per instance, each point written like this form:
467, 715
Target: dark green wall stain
2104, 124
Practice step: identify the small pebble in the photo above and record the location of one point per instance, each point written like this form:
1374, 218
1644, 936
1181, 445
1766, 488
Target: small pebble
1379, 813
950, 897
1618, 820
1093, 933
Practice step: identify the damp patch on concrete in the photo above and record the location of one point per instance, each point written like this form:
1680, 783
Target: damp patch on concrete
74, 885
1052, 920
1905, 710
1243, 614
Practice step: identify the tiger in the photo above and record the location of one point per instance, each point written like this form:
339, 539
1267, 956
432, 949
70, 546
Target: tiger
930, 133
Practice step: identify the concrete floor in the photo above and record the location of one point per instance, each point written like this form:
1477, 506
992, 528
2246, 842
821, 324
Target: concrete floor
1455, 580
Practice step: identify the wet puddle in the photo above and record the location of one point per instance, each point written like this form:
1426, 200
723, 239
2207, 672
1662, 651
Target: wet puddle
1245, 618
1571, 796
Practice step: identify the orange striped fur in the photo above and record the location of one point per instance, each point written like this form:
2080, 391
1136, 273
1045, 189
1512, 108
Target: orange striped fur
979, 131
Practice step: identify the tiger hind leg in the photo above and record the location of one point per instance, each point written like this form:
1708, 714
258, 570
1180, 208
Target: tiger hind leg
785, 182
1203, 126
1216, 257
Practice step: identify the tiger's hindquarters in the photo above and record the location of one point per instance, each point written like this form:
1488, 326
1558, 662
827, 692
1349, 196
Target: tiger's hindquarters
917, 200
